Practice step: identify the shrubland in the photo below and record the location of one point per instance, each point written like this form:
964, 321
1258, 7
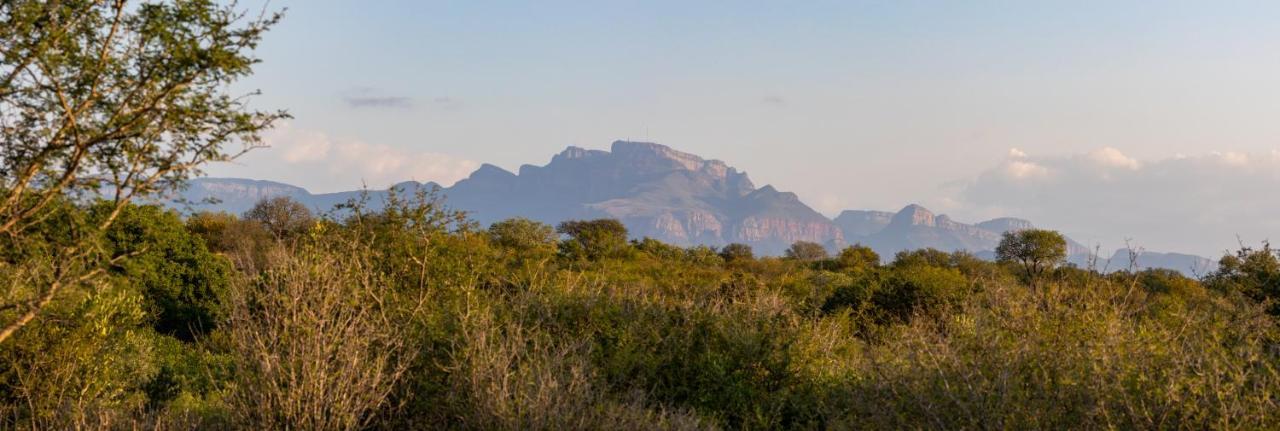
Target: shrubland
413, 316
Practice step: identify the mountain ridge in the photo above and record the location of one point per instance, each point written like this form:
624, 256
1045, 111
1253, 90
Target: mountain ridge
670, 195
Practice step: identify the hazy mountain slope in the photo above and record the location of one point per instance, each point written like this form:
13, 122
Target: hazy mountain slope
857, 224
656, 191
235, 195
675, 197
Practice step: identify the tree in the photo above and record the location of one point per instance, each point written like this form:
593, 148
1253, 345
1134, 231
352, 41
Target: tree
184, 284
806, 251
737, 252
522, 234
111, 99
281, 215
1255, 273
594, 239
1036, 250
856, 257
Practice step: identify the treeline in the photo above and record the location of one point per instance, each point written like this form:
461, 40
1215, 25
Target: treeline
414, 317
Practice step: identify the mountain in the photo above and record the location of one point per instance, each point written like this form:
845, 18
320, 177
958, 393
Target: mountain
1184, 263
675, 197
858, 224
237, 195
915, 227
656, 191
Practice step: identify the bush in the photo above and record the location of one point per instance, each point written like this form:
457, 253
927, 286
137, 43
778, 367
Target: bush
317, 342
411, 317
184, 284
593, 239
806, 251
1254, 273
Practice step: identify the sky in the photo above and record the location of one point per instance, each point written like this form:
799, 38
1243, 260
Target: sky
1152, 122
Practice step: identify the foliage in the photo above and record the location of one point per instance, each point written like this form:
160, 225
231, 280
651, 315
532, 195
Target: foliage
185, 284
593, 239
855, 258
412, 317
1036, 250
737, 252
318, 343
1254, 273
806, 251
111, 99
281, 215
523, 235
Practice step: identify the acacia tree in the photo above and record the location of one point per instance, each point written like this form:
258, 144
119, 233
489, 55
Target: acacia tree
281, 215
806, 251
593, 239
113, 100
1035, 250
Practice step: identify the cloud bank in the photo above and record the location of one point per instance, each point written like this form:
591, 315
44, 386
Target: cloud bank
1197, 204
325, 164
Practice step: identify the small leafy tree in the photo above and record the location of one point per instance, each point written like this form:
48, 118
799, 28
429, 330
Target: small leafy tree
281, 215
185, 285
524, 235
806, 251
857, 257
1036, 250
1255, 273
594, 239
114, 99
737, 252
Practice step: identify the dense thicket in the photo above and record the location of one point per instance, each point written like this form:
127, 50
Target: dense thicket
413, 317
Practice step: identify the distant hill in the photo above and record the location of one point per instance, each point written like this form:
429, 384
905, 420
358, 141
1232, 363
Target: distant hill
669, 195
656, 191
915, 227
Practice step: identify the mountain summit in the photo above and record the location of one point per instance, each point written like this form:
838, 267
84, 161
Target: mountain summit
656, 191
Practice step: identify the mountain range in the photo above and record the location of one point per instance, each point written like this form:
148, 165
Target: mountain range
678, 198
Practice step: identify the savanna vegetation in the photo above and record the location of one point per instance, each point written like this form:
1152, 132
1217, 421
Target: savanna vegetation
117, 314
414, 317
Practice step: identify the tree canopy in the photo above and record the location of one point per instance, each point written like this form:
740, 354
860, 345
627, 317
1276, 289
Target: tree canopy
112, 99
1035, 250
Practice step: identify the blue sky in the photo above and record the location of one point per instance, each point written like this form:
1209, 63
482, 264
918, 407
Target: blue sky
850, 104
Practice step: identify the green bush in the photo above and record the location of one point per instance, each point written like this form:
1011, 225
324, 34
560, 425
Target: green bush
435, 323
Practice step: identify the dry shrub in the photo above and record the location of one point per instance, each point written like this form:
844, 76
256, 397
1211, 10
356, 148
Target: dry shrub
512, 377
1073, 356
79, 368
318, 341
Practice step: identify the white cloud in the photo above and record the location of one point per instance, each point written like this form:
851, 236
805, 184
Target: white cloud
1023, 169
1111, 157
1231, 158
299, 145
321, 163
1196, 203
